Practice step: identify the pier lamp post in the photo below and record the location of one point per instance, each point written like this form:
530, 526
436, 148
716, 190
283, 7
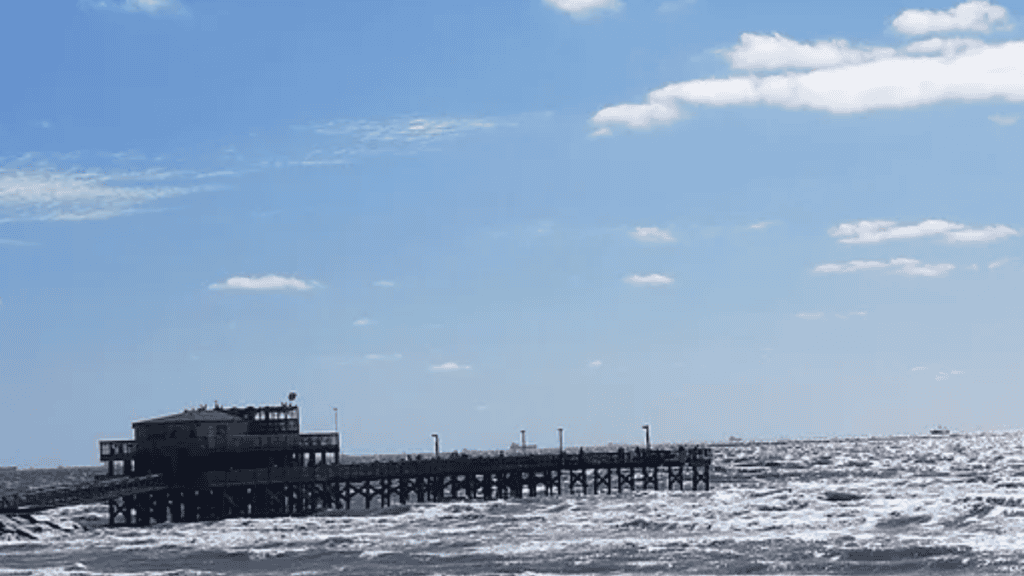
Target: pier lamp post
647, 435
560, 448
437, 445
523, 445
336, 432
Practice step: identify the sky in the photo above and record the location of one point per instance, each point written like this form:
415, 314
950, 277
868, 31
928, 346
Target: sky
713, 217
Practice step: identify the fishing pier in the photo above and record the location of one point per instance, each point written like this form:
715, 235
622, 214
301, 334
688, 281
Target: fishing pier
254, 462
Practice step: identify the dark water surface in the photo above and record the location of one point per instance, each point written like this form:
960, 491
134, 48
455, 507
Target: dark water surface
935, 505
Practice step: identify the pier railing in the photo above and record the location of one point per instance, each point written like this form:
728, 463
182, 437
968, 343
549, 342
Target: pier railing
96, 491
458, 465
328, 441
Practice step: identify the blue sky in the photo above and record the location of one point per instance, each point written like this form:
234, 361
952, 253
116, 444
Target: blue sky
473, 218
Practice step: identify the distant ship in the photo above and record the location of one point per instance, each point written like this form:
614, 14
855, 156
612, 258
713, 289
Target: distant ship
940, 431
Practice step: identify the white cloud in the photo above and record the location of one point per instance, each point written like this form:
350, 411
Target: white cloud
349, 139
450, 367
879, 230
899, 82
918, 368
384, 284
759, 225
45, 194
640, 115
386, 357
1004, 120
269, 282
810, 315
852, 266
976, 16
151, 7
584, 8
649, 280
859, 313
773, 52
595, 364
945, 46
652, 234
601, 132
956, 371
986, 234
907, 266
941, 376
998, 263
362, 322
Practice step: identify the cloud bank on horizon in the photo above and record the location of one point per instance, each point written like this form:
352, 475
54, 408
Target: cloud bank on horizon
839, 78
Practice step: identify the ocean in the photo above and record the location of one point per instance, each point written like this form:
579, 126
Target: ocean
908, 505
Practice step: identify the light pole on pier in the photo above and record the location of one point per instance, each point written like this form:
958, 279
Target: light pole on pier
437, 445
647, 435
560, 448
338, 433
523, 445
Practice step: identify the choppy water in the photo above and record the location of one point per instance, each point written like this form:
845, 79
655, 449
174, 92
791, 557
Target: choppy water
951, 505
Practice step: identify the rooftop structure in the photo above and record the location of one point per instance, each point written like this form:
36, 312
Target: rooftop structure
183, 446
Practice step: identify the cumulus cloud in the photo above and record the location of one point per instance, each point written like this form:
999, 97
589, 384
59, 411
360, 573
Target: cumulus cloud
880, 230
384, 284
652, 234
775, 51
44, 194
879, 82
998, 263
584, 8
151, 7
1004, 120
450, 367
976, 16
649, 280
362, 322
918, 368
595, 364
810, 315
941, 376
601, 132
907, 266
759, 225
269, 282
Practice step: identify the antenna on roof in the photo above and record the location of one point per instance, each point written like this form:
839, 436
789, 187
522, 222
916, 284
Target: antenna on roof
292, 396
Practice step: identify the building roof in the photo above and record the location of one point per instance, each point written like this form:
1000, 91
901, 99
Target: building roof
193, 416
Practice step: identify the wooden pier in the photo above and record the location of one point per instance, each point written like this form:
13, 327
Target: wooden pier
254, 462
303, 490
